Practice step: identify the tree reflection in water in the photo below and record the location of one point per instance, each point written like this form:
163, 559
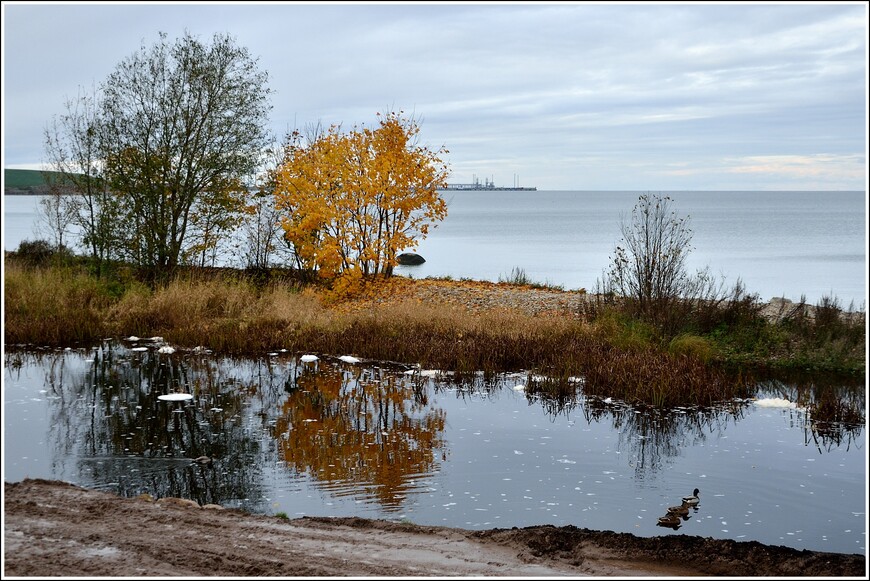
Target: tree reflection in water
107, 422
831, 409
355, 428
652, 436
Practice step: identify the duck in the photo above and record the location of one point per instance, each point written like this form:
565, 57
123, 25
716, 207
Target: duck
681, 510
692, 500
670, 520
204, 461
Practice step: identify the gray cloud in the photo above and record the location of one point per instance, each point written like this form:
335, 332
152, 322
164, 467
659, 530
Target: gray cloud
568, 96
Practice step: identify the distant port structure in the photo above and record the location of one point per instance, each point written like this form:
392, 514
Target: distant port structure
489, 185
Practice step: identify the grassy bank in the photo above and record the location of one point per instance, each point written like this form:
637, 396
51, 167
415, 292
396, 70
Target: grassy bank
25, 181
232, 312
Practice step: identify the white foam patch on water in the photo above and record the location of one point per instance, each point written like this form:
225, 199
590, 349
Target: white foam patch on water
775, 402
175, 397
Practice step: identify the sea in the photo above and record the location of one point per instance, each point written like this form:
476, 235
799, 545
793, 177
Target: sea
792, 244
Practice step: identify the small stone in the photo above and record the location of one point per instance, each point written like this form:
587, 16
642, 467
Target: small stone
182, 502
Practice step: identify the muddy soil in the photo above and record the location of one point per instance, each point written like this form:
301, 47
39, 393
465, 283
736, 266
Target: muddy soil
55, 529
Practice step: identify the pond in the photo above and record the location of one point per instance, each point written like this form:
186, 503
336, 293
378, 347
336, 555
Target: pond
336, 438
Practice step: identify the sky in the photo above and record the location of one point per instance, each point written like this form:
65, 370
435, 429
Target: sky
560, 96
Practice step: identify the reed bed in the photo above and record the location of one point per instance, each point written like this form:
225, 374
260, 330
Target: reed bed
53, 306
616, 356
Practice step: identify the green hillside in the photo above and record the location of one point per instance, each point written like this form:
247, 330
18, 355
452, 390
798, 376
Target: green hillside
22, 178
25, 180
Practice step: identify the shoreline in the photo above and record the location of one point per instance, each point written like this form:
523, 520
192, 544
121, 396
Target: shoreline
239, 312
54, 528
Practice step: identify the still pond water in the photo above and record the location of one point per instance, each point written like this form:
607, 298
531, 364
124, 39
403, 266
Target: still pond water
380, 441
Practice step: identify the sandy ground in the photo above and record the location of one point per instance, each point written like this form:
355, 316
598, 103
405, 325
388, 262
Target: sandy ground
54, 529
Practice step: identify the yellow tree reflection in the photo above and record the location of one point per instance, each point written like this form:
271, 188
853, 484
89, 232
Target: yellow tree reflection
366, 430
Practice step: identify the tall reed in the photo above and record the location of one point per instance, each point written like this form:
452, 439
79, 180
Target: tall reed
53, 306
616, 356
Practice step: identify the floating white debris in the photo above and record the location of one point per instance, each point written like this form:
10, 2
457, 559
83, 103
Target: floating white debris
156, 339
166, 349
519, 387
608, 400
775, 402
308, 358
139, 349
349, 359
132, 338
175, 397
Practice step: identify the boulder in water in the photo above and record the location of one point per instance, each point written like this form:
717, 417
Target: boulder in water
410, 259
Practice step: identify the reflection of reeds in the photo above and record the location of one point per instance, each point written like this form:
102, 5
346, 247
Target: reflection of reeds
650, 436
833, 419
834, 405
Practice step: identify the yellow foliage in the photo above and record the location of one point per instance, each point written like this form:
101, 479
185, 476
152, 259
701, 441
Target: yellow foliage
351, 202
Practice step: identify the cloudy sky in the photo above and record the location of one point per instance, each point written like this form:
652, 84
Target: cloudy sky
650, 97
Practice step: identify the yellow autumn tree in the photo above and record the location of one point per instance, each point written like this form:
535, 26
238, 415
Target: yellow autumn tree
352, 201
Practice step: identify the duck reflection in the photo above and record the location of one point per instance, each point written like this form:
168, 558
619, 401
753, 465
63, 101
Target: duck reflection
671, 521
360, 429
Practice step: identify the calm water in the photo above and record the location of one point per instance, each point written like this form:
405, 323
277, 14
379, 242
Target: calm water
779, 243
330, 438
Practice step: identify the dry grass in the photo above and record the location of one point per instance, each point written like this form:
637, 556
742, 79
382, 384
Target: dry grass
234, 315
54, 306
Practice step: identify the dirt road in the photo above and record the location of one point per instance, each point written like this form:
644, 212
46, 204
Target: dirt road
57, 529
